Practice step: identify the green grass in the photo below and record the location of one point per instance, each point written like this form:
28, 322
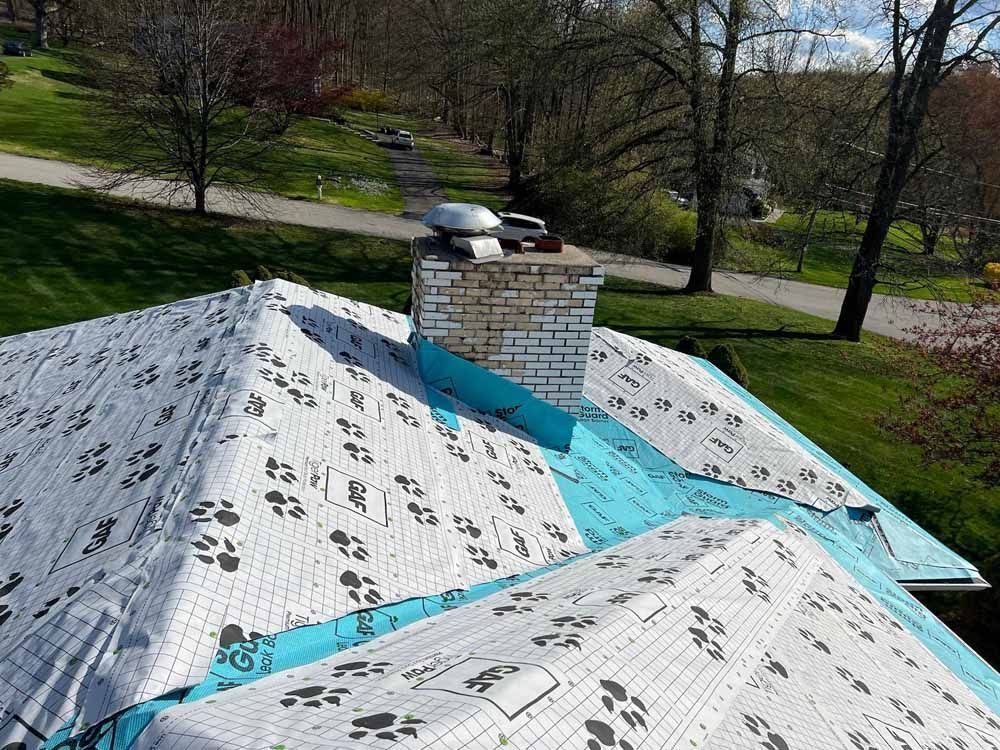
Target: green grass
831, 251
70, 256
44, 114
465, 176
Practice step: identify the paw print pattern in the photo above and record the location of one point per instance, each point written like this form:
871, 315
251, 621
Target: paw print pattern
410, 486
942, 692
910, 715
813, 641
44, 419
360, 669
53, 602
555, 532
562, 640
784, 553
278, 470
188, 374
663, 404
346, 357
91, 461
446, 433
359, 453
458, 452
79, 419
466, 526
498, 479
361, 588
282, 505
616, 402
511, 504
6, 587
808, 475
350, 546
385, 726
638, 413
511, 609
705, 633
711, 470
662, 576
613, 562
786, 486
531, 465
314, 696
480, 556
860, 741
853, 681
144, 469
408, 419
836, 489
596, 355
755, 584
760, 472
631, 709
359, 376
905, 658
769, 739
423, 514
707, 407
212, 554
529, 596
145, 376
773, 666
734, 420
351, 429
686, 417
222, 512
265, 354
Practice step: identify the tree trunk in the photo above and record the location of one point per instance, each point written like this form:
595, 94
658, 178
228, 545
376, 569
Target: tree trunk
200, 204
807, 239
910, 93
713, 159
42, 23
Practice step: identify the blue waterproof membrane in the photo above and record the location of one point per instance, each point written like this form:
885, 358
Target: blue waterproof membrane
901, 547
615, 485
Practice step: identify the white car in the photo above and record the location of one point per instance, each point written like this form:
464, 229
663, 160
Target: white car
403, 139
518, 227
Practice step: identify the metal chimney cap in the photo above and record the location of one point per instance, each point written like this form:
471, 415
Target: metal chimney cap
461, 217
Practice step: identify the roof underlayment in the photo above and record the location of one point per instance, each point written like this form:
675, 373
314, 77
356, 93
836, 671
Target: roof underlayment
196, 497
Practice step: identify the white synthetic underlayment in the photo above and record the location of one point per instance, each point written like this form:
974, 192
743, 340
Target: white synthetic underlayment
253, 460
708, 430
716, 633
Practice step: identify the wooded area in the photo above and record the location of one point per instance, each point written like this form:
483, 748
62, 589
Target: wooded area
618, 108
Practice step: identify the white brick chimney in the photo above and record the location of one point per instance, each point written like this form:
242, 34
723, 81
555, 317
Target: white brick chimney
526, 317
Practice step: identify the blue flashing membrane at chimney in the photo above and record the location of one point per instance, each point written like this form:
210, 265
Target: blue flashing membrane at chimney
615, 485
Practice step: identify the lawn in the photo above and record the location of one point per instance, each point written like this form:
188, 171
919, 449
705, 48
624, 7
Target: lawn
773, 249
70, 257
44, 114
466, 177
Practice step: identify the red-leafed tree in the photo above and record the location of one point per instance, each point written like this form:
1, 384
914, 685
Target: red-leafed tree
195, 94
953, 409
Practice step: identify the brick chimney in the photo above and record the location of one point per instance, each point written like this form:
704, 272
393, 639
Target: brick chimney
526, 317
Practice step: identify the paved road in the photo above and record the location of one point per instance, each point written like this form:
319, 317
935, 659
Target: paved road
417, 182
276, 208
890, 316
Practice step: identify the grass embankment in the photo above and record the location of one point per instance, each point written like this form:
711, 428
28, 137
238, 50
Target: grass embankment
45, 114
773, 249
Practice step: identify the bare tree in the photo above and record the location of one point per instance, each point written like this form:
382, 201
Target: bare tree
924, 49
197, 93
707, 64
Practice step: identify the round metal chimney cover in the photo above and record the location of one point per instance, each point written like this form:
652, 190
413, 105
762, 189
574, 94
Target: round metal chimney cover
461, 217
